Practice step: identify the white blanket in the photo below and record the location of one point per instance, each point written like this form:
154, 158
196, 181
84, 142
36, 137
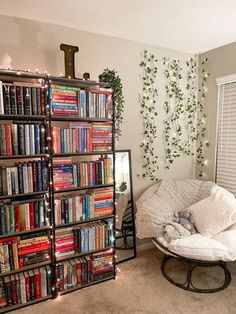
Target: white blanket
157, 205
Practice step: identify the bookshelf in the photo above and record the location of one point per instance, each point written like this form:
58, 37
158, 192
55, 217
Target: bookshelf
58, 199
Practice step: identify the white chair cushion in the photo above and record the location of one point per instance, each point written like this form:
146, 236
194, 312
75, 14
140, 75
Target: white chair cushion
214, 213
228, 239
201, 248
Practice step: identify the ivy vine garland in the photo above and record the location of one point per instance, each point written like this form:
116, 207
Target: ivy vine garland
184, 124
201, 121
148, 103
191, 104
111, 77
174, 109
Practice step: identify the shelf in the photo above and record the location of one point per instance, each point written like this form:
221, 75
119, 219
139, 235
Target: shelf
87, 285
11, 234
83, 154
23, 156
83, 221
19, 75
21, 117
49, 119
37, 265
23, 195
76, 82
17, 306
71, 256
84, 188
76, 118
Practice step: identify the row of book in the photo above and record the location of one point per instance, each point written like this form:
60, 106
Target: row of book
24, 250
24, 287
102, 265
81, 174
21, 98
24, 177
22, 139
85, 206
84, 238
93, 236
93, 103
22, 216
82, 137
102, 137
81, 271
64, 100
72, 273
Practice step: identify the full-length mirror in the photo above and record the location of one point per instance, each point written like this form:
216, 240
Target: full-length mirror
125, 227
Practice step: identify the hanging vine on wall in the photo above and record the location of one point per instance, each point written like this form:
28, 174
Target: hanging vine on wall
111, 77
201, 121
174, 109
148, 111
184, 122
191, 105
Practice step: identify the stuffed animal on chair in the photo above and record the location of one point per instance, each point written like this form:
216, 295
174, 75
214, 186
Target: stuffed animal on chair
184, 218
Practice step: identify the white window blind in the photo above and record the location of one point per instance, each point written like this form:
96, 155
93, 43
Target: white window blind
226, 137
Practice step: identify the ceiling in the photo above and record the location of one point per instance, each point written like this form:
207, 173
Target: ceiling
186, 25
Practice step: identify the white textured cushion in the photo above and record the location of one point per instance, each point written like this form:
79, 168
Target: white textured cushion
199, 247
228, 239
214, 213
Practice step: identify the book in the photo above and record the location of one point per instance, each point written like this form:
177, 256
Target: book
20, 100
7, 98
13, 100
1, 99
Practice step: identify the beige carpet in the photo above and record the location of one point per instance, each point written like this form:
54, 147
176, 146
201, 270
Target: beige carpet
140, 288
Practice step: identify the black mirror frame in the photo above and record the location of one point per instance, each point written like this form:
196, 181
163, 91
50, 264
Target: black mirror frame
132, 204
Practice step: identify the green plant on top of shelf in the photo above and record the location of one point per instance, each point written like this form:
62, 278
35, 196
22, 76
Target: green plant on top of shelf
112, 77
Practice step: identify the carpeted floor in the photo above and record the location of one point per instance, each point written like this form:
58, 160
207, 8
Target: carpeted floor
140, 288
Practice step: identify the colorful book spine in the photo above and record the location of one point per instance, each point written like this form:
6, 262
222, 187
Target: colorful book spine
20, 98
93, 103
88, 174
22, 139
26, 177
24, 287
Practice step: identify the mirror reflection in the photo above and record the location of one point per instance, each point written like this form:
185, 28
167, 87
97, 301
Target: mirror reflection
125, 228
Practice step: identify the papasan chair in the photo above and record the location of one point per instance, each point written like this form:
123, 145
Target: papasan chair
213, 211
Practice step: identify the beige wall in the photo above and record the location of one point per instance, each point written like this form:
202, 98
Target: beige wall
36, 45
221, 62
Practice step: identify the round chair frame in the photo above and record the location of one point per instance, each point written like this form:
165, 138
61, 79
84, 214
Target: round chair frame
191, 265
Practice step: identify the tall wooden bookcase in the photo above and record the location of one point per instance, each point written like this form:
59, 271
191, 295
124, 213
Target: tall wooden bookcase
50, 194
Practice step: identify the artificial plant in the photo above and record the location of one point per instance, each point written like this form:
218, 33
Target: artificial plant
112, 77
148, 103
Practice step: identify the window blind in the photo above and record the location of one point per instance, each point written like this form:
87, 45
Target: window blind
226, 137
